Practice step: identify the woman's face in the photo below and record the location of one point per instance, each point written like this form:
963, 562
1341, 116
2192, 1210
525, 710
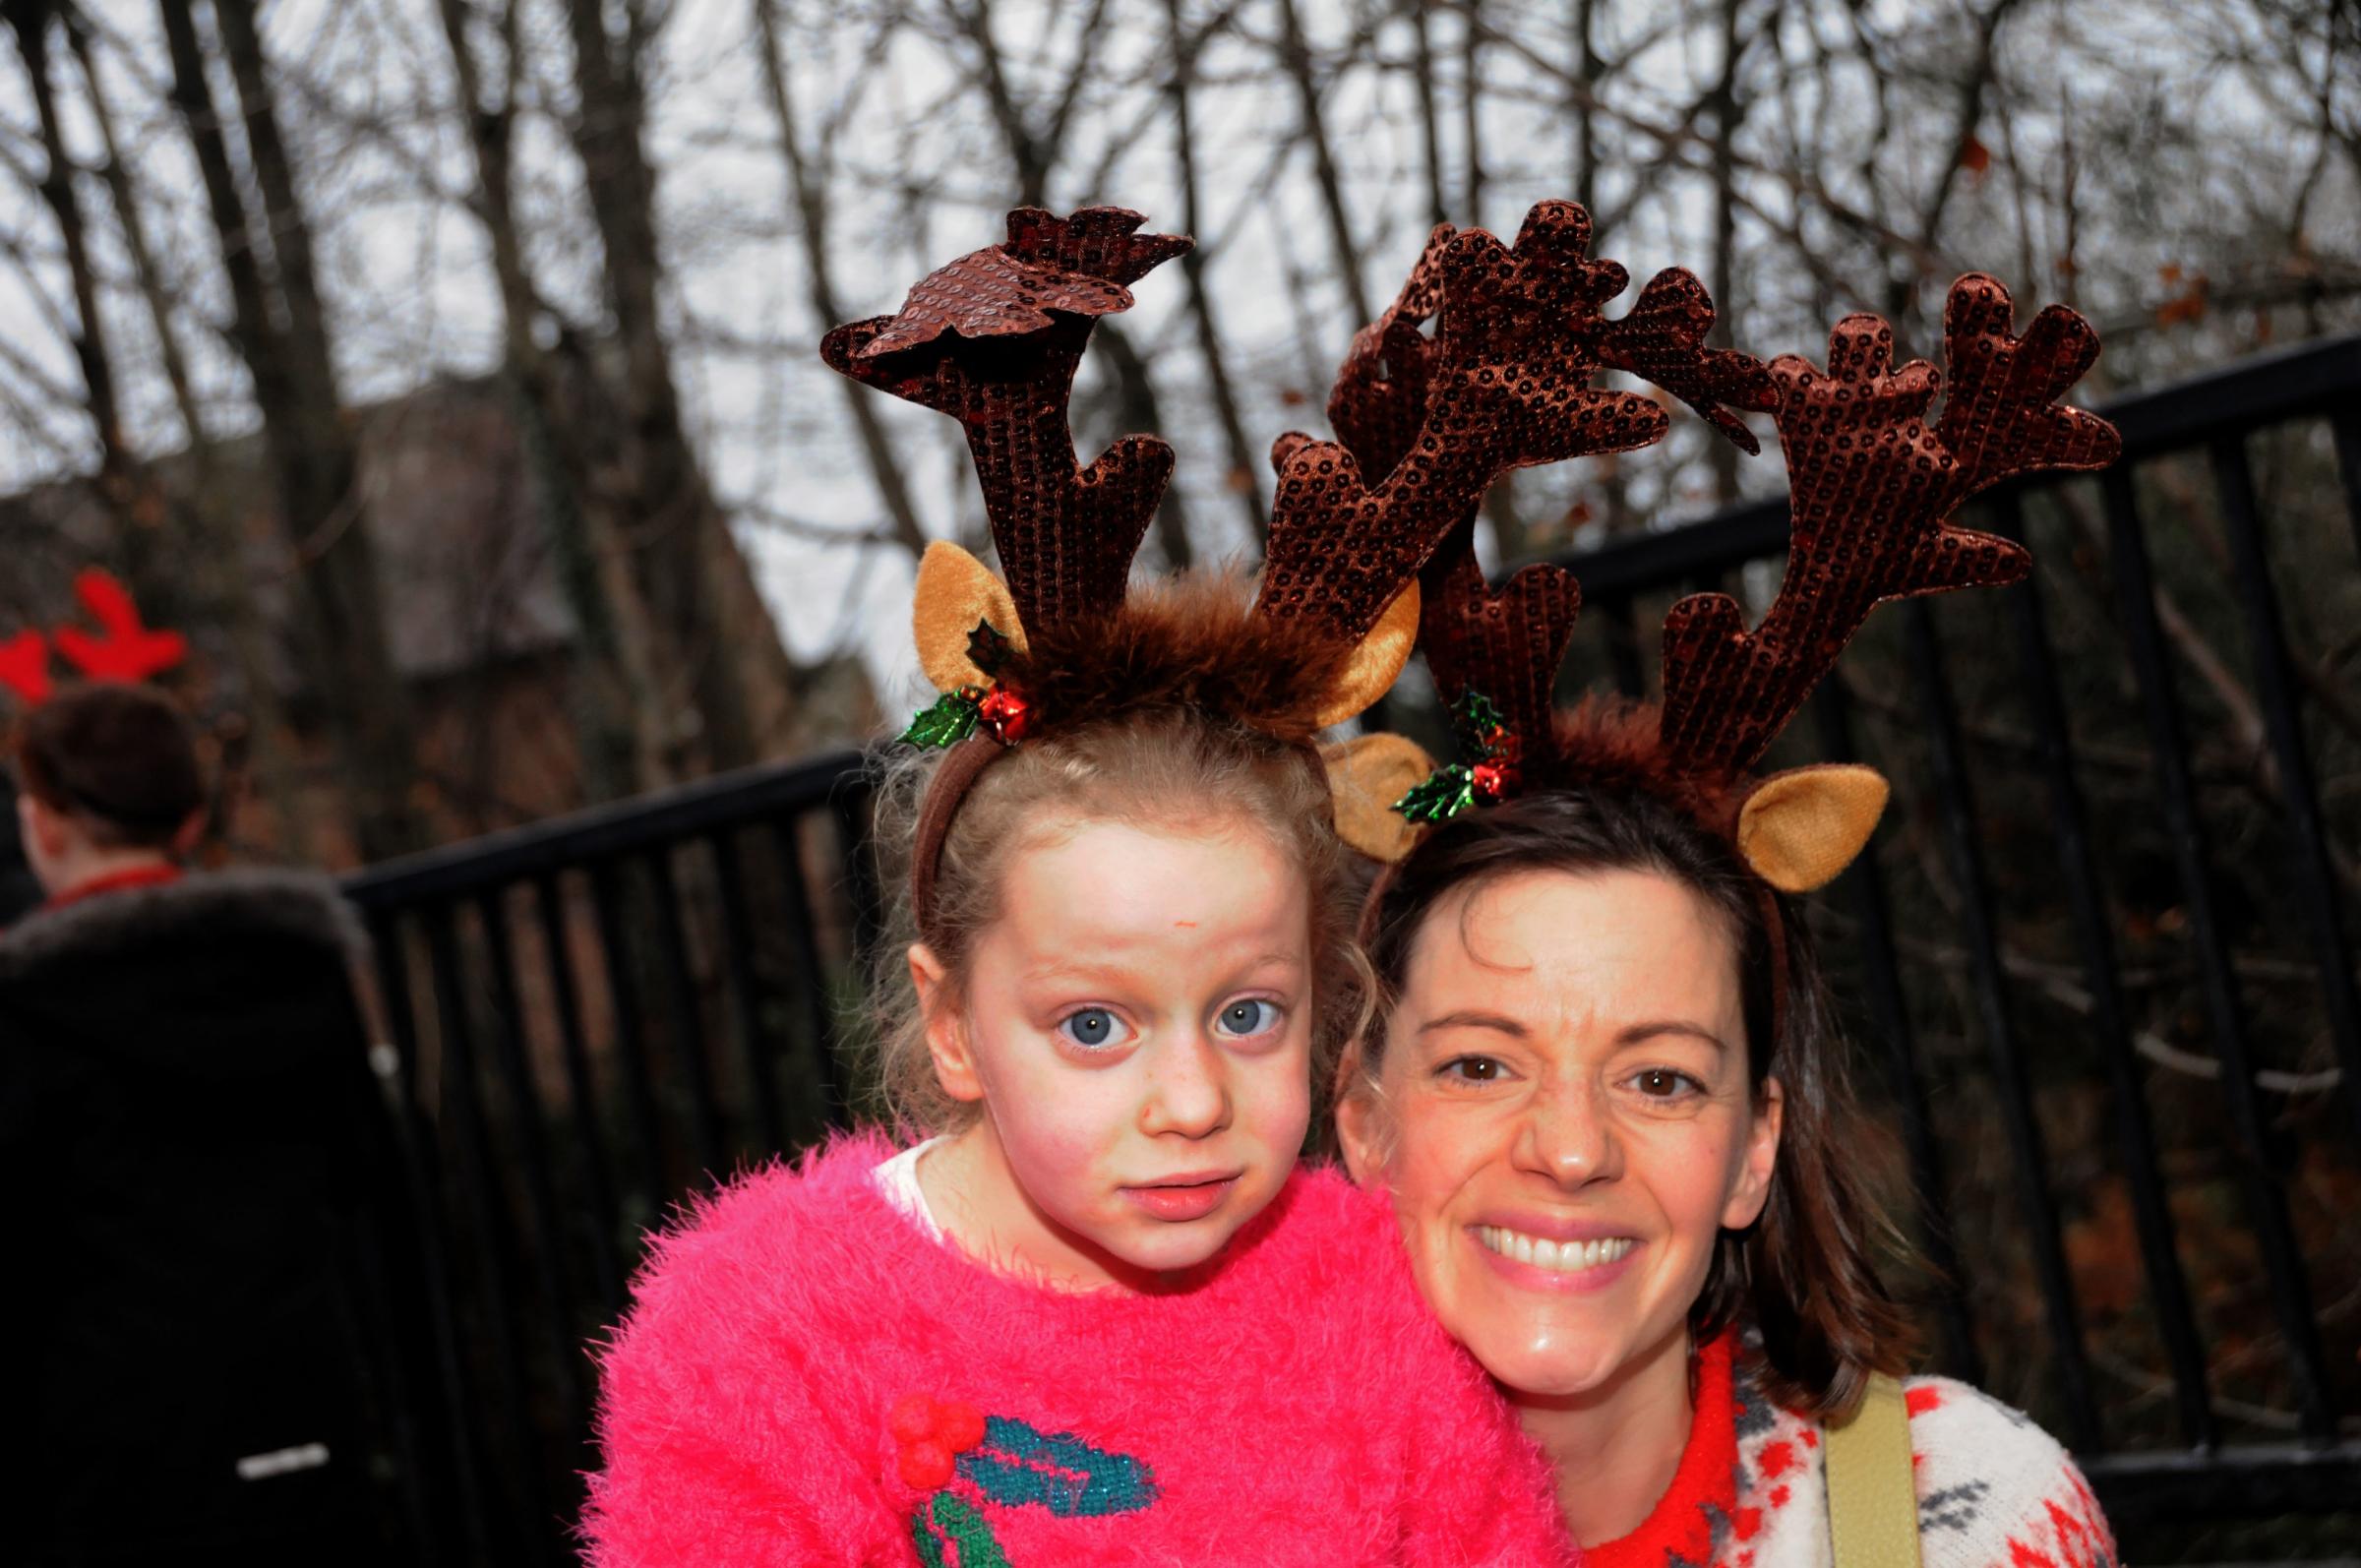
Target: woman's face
1563, 1117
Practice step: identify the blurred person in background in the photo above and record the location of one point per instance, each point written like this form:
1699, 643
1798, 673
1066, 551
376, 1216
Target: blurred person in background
188, 1112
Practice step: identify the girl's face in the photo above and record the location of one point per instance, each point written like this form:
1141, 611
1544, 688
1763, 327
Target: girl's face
1137, 1025
1563, 1117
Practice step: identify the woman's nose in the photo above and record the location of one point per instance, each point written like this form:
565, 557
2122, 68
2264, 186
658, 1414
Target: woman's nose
1188, 1090
1568, 1138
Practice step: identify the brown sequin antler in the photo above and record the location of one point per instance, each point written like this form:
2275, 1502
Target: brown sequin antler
993, 340
1506, 381
1871, 489
1429, 424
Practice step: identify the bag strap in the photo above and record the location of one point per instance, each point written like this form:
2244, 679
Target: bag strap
1872, 1495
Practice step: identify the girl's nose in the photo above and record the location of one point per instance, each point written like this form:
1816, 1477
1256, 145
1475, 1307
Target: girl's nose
1188, 1090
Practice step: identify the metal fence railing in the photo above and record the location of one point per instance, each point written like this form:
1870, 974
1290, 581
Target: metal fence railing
2101, 954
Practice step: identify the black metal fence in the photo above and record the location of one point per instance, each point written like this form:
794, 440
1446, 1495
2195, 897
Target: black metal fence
2101, 953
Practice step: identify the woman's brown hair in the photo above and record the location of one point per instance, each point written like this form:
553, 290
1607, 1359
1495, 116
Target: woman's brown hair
1804, 1275
1150, 768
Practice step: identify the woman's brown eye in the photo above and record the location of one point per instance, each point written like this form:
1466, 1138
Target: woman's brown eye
1658, 1081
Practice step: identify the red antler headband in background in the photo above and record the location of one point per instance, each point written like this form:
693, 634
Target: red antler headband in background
24, 667
125, 649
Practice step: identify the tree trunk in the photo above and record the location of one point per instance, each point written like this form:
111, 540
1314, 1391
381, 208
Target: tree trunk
1471, 104
216, 543
1242, 479
1723, 102
809, 191
281, 335
1438, 209
713, 627
617, 715
1295, 56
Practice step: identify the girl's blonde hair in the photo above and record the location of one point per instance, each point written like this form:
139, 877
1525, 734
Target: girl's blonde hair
1146, 768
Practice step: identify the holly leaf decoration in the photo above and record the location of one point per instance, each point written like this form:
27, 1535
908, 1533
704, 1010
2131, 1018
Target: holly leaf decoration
1019, 1466
950, 720
987, 650
1473, 716
952, 1522
1446, 792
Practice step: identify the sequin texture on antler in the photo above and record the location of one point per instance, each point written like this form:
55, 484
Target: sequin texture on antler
1504, 383
1871, 489
993, 340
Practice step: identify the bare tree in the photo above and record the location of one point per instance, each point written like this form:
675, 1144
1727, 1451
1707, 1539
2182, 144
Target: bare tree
281, 330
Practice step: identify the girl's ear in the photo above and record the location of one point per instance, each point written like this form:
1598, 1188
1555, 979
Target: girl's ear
1358, 1118
1753, 1188
946, 1026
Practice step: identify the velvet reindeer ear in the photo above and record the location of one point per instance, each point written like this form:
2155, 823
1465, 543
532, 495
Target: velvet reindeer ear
1366, 776
955, 591
1376, 661
1800, 828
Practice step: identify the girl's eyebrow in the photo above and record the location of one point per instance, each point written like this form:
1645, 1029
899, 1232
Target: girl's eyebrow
1475, 1019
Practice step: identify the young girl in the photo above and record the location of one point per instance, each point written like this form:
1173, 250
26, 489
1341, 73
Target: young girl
1099, 1315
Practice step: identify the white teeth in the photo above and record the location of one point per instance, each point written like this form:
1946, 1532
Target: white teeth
1562, 1257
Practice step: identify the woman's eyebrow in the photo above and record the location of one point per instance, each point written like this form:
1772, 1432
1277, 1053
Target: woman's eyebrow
1475, 1019
1651, 1029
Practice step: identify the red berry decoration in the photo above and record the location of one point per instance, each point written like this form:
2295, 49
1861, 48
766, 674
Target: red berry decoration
958, 1426
1007, 715
1491, 781
926, 1466
912, 1419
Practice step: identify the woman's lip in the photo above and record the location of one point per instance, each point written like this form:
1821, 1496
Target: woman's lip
1551, 1227
1183, 1199
1533, 1276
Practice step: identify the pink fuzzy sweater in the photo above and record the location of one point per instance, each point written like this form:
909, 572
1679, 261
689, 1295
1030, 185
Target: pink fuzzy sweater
804, 1379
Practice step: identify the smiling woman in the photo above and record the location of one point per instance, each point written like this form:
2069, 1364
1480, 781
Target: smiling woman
1607, 1097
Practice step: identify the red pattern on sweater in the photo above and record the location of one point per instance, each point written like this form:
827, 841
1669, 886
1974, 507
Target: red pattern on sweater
1994, 1491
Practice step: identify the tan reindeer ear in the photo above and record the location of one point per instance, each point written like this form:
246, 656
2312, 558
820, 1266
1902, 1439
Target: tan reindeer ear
1365, 776
955, 590
1800, 828
1376, 662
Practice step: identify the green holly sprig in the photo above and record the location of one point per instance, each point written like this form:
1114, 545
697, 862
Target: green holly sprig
1456, 787
953, 716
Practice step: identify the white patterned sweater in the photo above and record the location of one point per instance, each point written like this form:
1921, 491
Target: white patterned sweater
1994, 1490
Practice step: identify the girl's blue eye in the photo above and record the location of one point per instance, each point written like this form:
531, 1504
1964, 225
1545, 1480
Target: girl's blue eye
1253, 1016
1091, 1027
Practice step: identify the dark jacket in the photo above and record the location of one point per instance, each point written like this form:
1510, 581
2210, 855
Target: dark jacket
192, 1145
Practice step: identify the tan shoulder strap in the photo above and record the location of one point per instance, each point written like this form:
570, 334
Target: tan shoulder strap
1872, 1495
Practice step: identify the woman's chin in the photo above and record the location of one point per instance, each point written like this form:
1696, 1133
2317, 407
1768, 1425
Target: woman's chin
1545, 1369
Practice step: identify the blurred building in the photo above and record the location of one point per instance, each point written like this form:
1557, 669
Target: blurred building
477, 614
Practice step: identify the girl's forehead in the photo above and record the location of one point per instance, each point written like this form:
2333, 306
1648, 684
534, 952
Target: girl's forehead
1104, 886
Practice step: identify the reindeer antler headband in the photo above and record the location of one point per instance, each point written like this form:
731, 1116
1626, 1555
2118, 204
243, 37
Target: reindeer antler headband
994, 340
1872, 487
126, 648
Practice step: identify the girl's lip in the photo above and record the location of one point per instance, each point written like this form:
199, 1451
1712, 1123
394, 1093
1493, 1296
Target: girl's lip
1185, 1198
1579, 1282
